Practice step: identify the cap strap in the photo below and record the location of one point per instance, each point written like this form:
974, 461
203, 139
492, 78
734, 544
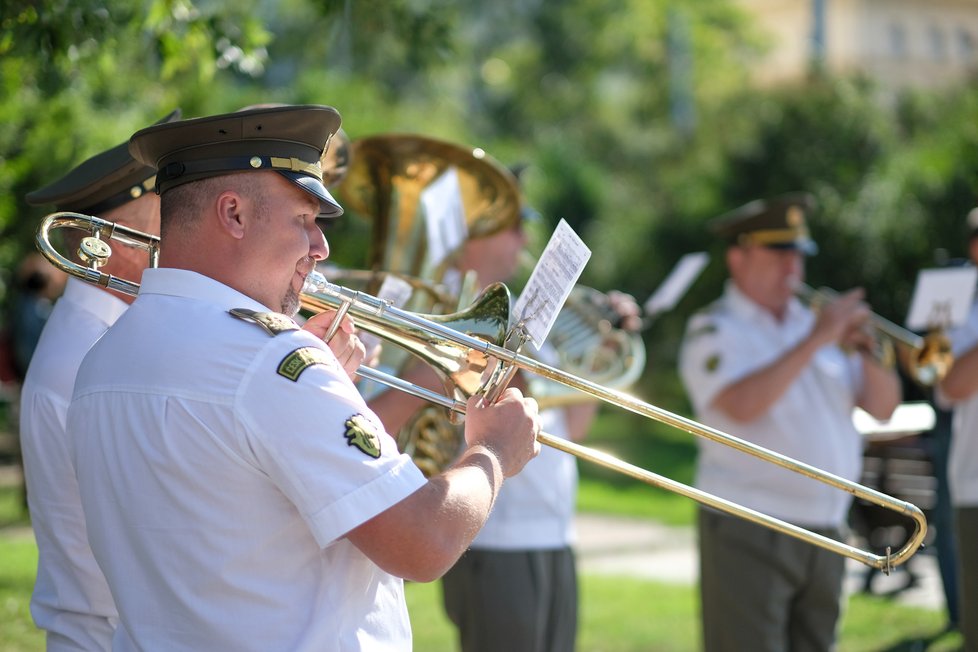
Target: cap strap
295, 165
129, 194
173, 171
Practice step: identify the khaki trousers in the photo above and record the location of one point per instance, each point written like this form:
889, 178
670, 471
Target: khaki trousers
513, 601
765, 591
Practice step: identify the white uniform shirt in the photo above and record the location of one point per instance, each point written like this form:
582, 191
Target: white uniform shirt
535, 508
71, 600
219, 471
963, 458
811, 422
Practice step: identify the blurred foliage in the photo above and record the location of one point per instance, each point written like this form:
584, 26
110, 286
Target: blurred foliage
638, 121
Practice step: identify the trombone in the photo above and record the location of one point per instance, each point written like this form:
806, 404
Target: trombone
457, 352
926, 358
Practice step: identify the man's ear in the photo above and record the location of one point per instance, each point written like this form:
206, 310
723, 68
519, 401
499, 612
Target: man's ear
229, 206
735, 258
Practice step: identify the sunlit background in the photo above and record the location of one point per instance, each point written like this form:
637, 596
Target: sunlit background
638, 121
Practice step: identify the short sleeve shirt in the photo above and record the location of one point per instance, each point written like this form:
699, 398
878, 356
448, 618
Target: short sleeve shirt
810, 422
71, 600
220, 467
963, 458
535, 508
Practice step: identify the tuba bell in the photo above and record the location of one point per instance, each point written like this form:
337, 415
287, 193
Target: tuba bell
385, 182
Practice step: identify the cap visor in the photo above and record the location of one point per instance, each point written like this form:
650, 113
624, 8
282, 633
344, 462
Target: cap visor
328, 207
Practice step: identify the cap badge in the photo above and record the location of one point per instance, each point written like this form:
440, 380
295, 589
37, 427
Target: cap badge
795, 217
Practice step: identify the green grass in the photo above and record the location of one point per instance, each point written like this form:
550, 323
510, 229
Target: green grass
18, 561
629, 615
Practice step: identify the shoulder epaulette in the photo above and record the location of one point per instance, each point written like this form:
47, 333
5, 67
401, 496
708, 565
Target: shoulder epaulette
703, 322
273, 322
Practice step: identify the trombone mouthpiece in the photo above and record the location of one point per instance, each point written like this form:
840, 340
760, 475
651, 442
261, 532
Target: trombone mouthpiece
315, 282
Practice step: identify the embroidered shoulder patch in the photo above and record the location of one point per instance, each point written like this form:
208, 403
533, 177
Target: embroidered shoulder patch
712, 362
295, 363
273, 322
362, 433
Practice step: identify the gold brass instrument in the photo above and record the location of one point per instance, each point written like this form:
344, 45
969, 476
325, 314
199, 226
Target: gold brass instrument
384, 184
462, 355
336, 158
926, 359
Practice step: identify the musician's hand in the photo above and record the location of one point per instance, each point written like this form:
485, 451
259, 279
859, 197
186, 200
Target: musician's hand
508, 427
841, 317
627, 310
858, 338
344, 343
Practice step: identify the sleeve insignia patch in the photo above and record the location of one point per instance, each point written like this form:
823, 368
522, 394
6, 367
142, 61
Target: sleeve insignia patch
295, 363
712, 362
362, 433
273, 322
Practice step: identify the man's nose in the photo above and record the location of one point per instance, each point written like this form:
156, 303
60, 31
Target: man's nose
318, 247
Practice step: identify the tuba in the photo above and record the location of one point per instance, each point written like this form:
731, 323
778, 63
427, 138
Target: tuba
384, 184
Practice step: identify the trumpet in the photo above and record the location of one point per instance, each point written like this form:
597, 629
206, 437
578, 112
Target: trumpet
926, 359
463, 357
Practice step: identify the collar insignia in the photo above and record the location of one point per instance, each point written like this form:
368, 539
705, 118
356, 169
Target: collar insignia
273, 322
362, 433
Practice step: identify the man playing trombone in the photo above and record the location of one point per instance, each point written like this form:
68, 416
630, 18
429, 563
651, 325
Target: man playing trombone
239, 494
760, 365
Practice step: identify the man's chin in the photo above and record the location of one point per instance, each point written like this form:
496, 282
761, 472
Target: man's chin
291, 303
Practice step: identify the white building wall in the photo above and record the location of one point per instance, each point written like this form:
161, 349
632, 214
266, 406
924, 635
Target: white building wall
900, 43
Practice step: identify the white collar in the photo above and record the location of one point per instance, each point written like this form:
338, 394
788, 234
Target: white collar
747, 308
185, 283
99, 302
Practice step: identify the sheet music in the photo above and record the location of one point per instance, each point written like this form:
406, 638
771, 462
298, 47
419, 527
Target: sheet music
444, 216
942, 297
551, 282
677, 283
